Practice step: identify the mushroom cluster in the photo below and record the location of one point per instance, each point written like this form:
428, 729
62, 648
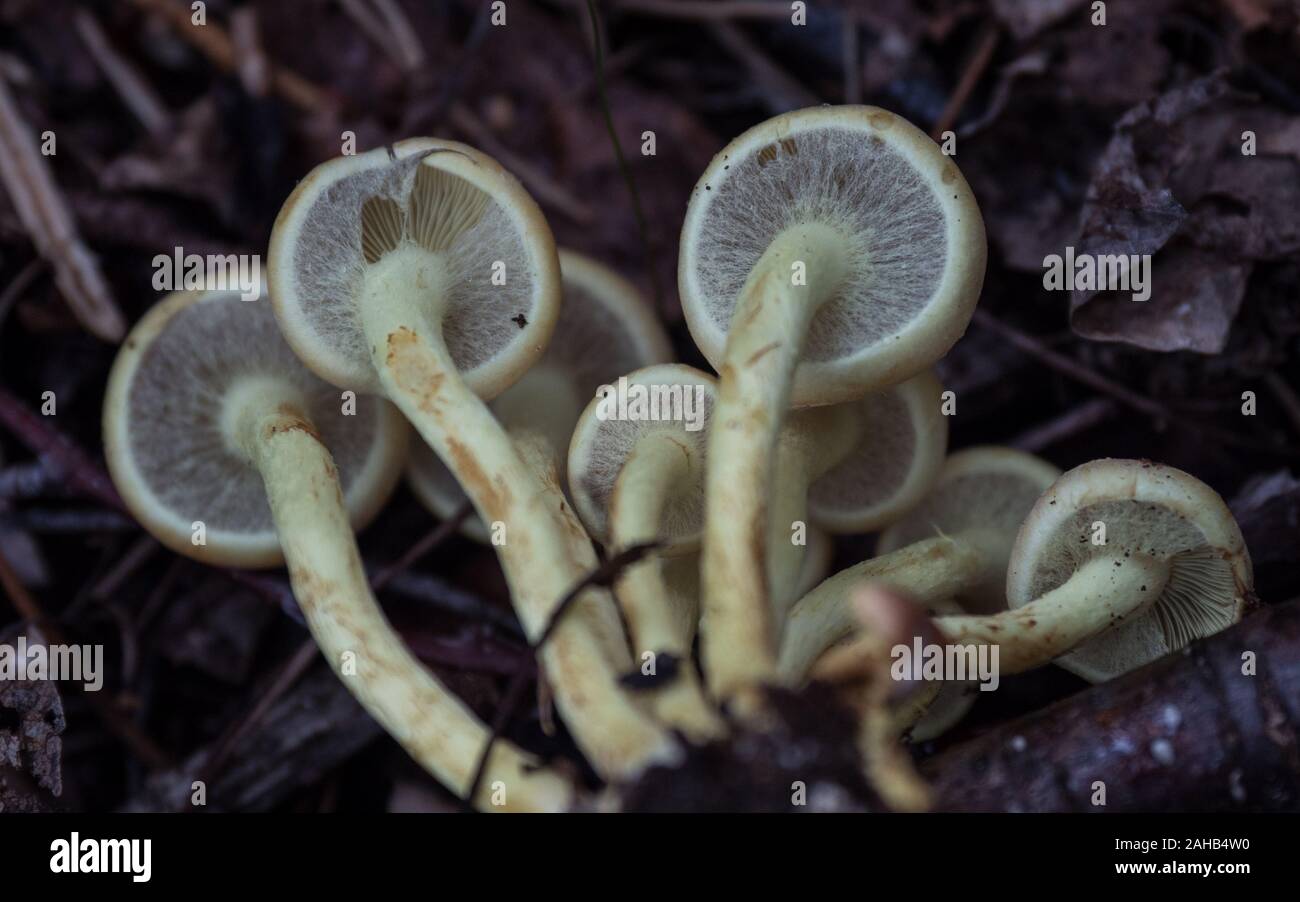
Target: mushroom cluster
829, 257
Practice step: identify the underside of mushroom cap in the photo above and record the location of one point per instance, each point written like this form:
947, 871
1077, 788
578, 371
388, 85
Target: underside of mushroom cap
1144, 508
895, 463
604, 329
495, 248
989, 489
603, 444
170, 456
913, 243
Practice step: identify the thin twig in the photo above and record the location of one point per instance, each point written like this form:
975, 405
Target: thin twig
1068, 366
136, 93
83, 474
289, 673
985, 43
45, 216
546, 189
21, 283
781, 91
430, 541
705, 10
637, 210
251, 64
145, 547
1066, 425
212, 41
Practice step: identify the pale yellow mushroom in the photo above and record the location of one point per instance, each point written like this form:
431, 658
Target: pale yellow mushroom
952, 547
826, 253
1118, 563
426, 273
637, 477
851, 468
218, 440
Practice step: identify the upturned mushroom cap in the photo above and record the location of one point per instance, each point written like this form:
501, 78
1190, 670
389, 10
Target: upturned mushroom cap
443, 197
605, 329
601, 446
913, 239
1146, 508
167, 429
894, 464
982, 494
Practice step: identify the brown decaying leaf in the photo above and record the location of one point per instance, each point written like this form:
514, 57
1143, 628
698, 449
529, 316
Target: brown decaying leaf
1174, 183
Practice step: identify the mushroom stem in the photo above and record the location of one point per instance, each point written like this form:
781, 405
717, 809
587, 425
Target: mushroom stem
659, 620
1103, 593
435, 727
421, 378
795, 276
927, 572
813, 442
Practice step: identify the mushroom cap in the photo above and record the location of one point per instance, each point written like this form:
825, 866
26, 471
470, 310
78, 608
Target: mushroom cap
895, 463
990, 489
1150, 508
455, 198
605, 329
601, 447
915, 240
163, 428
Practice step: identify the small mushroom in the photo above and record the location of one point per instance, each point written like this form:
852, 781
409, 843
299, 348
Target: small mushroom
826, 253
852, 468
605, 329
640, 480
1172, 568
1135, 516
955, 544
425, 272
217, 438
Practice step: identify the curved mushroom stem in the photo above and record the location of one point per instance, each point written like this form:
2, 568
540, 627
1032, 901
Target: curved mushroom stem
813, 442
797, 273
658, 618
435, 727
927, 571
420, 376
1103, 593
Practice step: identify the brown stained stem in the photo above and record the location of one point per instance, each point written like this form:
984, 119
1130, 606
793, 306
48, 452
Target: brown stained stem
1068, 366
117, 722
603, 576
985, 43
